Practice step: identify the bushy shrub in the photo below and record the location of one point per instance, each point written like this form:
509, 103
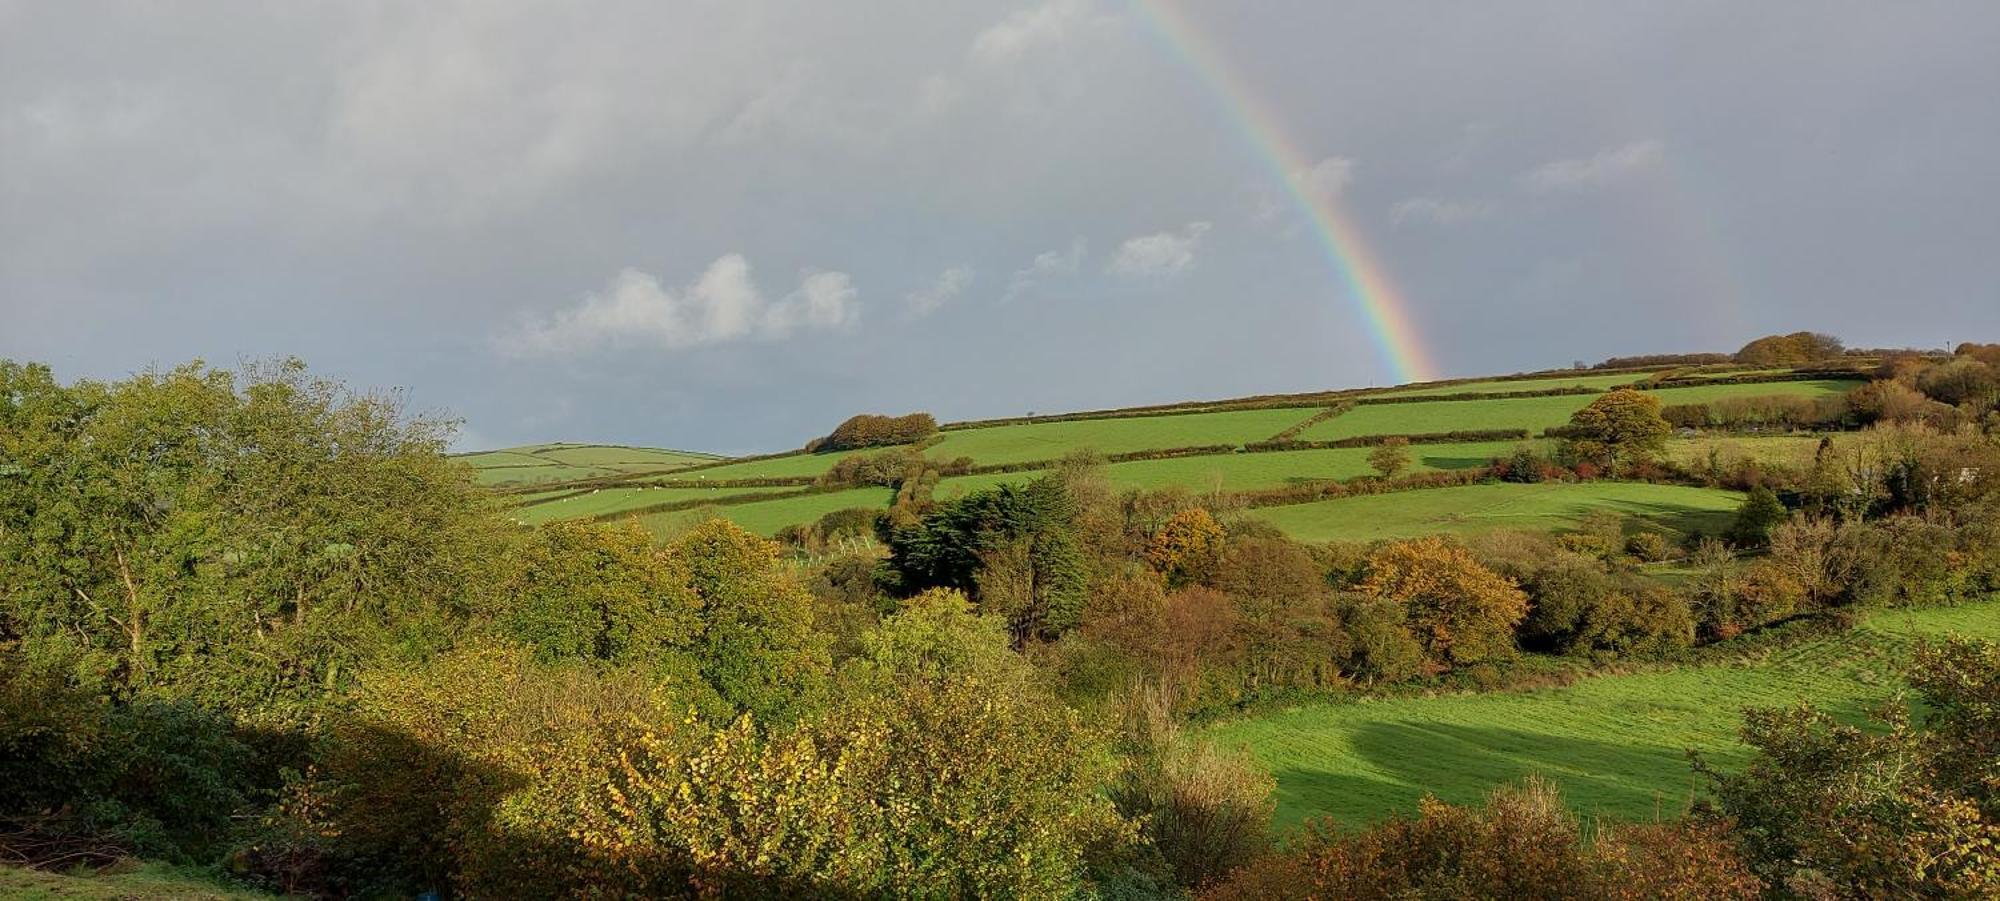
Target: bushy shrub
160, 778
1525, 465
1523, 843
1830, 809
1579, 607
1382, 648
1205, 812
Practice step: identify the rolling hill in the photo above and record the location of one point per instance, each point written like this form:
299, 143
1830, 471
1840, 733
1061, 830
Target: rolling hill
1259, 444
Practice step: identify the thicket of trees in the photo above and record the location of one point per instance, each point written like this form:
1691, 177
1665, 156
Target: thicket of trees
871, 430
254, 621
1790, 350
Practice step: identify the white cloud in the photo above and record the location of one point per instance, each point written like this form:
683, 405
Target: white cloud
949, 285
1050, 24
1440, 212
1048, 265
1326, 178
1159, 254
722, 305
1605, 167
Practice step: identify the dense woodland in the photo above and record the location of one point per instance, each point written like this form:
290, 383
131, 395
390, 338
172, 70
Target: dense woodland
255, 622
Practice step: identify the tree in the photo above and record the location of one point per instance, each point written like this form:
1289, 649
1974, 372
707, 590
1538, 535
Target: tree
1013, 549
223, 537
591, 591
1391, 456
1787, 350
1760, 511
1461, 612
758, 646
1620, 426
1187, 547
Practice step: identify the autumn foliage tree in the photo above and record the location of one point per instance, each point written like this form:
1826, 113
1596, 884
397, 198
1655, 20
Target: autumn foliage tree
1792, 349
1617, 427
1187, 546
872, 430
1459, 611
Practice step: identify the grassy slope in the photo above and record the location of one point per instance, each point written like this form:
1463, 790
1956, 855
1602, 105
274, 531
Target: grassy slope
545, 463
1616, 744
1532, 413
1503, 385
1478, 508
612, 500
120, 881
1237, 472
767, 517
1052, 440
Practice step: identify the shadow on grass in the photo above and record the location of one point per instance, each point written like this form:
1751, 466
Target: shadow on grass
1462, 764
1678, 517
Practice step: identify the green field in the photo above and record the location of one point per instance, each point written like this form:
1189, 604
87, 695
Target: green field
1785, 450
547, 463
1242, 472
767, 517
1531, 413
788, 466
1701, 394
1484, 508
1497, 386
1053, 440
1615, 744
612, 500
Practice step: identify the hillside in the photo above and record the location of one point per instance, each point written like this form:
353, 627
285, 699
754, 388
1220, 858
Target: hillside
259, 630
1252, 447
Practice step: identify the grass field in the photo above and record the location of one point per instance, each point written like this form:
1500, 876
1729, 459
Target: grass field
1615, 744
545, 463
1701, 394
767, 517
612, 500
1495, 386
1787, 450
1481, 508
1241, 472
1052, 440
118, 882
1531, 413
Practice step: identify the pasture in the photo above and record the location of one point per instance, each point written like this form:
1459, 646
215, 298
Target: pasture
1498, 386
550, 463
1487, 507
1245, 472
1616, 744
612, 500
1052, 440
1531, 413
767, 517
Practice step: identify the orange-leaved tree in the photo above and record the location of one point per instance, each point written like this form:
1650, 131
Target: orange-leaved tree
1461, 612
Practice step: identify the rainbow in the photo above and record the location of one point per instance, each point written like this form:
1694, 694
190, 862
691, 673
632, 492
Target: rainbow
1367, 280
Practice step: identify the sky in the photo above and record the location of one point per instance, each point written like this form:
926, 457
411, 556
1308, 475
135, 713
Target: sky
726, 226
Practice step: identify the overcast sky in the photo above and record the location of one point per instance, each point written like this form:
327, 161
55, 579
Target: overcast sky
727, 225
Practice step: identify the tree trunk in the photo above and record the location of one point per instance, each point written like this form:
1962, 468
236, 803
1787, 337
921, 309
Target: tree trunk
135, 619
